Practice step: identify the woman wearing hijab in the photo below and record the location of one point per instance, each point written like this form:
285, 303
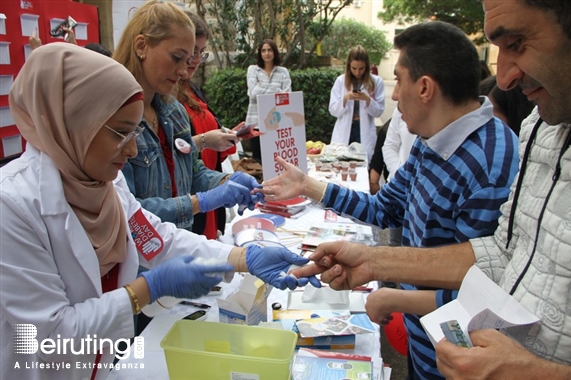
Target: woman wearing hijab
73, 235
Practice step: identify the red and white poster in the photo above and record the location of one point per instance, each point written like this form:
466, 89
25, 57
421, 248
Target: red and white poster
281, 118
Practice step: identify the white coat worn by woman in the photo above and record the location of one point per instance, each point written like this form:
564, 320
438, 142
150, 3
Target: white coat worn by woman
70, 246
367, 113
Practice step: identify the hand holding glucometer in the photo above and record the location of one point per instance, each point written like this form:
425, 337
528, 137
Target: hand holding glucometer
246, 132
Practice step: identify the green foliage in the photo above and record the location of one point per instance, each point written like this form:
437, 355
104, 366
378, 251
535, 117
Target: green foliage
345, 34
467, 15
227, 96
226, 91
241, 26
316, 85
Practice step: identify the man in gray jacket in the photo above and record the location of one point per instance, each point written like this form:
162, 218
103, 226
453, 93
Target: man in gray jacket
529, 254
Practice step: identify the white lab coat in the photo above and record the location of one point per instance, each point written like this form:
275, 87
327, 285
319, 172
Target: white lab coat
398, 144
367, 114
50, 273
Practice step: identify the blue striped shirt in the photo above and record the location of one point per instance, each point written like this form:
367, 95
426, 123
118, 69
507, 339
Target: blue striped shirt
449, 190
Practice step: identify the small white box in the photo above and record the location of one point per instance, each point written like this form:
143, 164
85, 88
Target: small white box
2, 23
12, 145
29, 24
81, 31
5, 53
6, 118
248, 305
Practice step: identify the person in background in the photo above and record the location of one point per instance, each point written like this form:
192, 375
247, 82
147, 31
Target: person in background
528, 255
374, 69
485, 71
396, 150
265, 77
450, 189
98, 48
205, 124
166, 175
511, 106
70, 247
357, 98
377, 168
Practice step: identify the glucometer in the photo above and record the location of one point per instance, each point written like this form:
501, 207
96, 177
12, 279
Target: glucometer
196, 316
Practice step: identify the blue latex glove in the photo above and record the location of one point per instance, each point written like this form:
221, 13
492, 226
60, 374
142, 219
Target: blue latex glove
226, 195
251, 183
181, 278
269, 264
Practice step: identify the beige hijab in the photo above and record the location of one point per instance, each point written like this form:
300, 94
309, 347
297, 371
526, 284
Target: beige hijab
60, 100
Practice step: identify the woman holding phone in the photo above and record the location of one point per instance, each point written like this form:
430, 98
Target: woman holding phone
357, 98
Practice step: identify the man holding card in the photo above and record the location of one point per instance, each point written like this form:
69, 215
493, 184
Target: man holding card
458, 173
529, 253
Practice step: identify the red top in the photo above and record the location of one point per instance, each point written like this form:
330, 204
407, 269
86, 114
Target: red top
204, 121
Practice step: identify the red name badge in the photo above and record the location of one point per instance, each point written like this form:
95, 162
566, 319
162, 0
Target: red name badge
147, 240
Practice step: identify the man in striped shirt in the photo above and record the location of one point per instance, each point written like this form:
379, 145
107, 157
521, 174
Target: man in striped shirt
451, 187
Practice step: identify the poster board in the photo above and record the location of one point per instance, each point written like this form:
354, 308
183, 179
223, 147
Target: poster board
281, 118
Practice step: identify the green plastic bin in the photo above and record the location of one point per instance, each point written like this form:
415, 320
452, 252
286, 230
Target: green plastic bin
219, 351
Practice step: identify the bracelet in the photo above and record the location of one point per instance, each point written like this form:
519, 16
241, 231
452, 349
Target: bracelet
240, 260
224, 179
203, 141
134, 299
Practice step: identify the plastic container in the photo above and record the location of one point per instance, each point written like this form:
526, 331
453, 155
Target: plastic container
198, 350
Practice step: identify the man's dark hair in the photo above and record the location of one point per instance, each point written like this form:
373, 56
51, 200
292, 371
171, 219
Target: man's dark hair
98, 48
561, 10
444, 53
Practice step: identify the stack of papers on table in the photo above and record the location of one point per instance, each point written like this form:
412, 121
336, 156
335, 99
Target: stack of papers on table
290, 208
328, 365
288, 319
352, 232
481, 304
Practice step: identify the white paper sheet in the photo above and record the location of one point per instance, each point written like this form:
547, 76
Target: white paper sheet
481, 304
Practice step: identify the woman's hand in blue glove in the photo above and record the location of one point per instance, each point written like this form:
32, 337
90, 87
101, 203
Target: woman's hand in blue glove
181, 278
271, 265
251, 183
226, 195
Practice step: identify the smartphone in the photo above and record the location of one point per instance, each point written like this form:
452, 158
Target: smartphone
356, 91
196, 316
245, 130
215, 291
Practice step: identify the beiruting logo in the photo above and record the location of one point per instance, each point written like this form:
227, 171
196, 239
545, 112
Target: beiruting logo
25, 342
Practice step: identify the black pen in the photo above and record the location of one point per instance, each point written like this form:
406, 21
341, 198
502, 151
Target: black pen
196, 304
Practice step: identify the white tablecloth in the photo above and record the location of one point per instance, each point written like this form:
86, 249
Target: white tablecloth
291, 235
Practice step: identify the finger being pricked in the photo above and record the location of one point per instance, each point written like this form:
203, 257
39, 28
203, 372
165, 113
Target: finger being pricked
308, 270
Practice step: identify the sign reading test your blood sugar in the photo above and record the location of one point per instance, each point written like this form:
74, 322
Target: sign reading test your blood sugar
282, 121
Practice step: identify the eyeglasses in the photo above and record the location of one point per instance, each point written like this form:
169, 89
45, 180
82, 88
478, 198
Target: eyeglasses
128, 137
203, 56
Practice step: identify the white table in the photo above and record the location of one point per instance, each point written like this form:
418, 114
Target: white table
155, 367
154, 363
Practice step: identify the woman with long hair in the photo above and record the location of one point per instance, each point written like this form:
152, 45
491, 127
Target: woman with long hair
265, 77
167, 176
205, 124
357, 98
